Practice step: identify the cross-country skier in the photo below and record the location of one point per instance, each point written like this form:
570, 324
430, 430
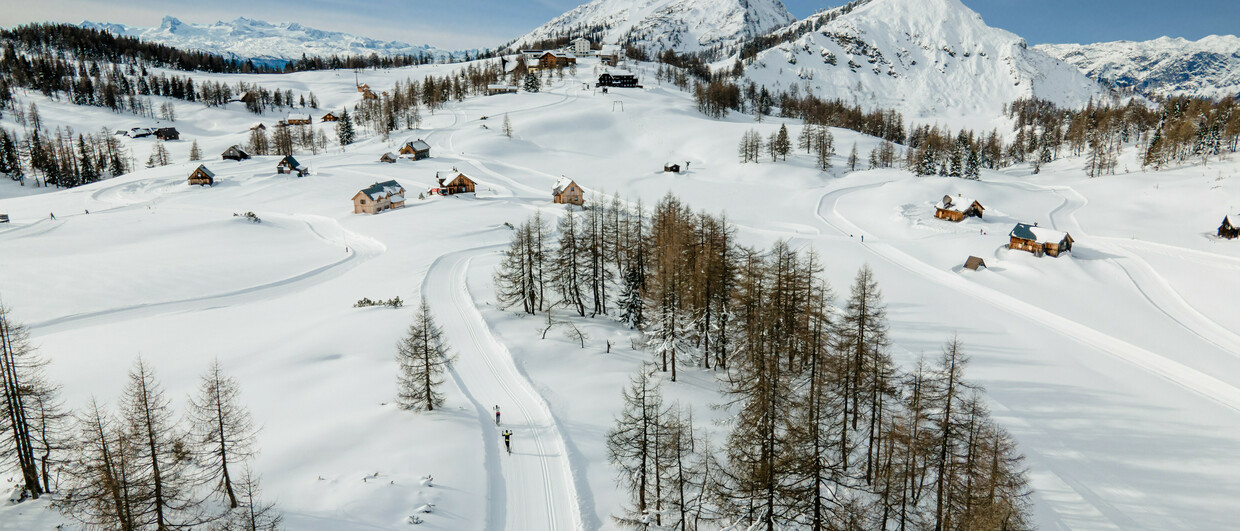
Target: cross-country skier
508, 440
497, 414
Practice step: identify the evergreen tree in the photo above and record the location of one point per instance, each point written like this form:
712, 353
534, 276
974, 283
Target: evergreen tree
782, 144
423, 358
344, 128
631, 305
852, 158
531, 83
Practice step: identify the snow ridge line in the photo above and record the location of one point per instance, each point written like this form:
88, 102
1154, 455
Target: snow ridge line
1182, 375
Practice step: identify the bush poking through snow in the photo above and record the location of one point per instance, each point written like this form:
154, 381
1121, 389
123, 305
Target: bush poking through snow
365, 302
250, 216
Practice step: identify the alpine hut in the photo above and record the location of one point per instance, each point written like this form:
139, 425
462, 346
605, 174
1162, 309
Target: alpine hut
458, 185
288, 164
957, 208
329, 117
298, 119
567, 192
416, 149
388, 157
1039, 240
379, 197
974, 263
202, 176
671, 168
1230, 228
167, 133
235, 153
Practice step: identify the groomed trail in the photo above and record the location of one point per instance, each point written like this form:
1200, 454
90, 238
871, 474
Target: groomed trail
532, 488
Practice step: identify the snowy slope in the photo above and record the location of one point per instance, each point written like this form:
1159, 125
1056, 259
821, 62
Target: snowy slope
1207, 68
263, 42
934, 60
1117, 367
657, 25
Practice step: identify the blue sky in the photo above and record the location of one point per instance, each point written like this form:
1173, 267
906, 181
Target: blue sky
481, 23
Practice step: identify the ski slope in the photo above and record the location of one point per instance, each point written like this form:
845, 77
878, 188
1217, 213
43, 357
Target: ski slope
1116, 367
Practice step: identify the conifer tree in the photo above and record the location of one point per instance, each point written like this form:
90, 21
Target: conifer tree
195, 153
852, 158
344, 128
423, 358
222, 433
507, 126
531, 83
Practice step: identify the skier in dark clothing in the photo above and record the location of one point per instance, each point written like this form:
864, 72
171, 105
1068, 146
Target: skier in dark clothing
497, 415
508, 440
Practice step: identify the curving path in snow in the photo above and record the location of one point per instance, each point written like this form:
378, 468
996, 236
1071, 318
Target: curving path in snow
533, 487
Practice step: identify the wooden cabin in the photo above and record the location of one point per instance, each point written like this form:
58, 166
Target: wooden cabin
974, 263
957, 208
250, 97
671, 168
288, 164
416, 149
363, 87
556, 60
1039, 240
567, 192
458, 185
258, 127
369, 95
1230, 228
329, 117
501, 89
202, 176
167, 133
298, 119
235, 153
388, 157
378, 197
617, 78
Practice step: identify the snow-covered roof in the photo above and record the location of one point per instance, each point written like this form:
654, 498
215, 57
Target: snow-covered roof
561, 185
298, 116
609, 49
619, 73
388, 155
1038, 234
396, 198
955, 204
204, 170
378, 191
501, 87
418, 145
1233, 220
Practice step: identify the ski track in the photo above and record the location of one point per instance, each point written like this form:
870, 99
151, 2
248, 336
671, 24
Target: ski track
539, 492
1158, 365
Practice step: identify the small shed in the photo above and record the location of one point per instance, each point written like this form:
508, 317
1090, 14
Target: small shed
957, 208
417, 149
167, 133
258, 127
974, 263
567, 192
1230, 228
298, 119
379, 197
1039, 240
671, 168
458, 185
202, 176
288, 164
388, 157
235, 153
329, 117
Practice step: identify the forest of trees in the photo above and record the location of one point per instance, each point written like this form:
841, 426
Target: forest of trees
826, 431
141, 466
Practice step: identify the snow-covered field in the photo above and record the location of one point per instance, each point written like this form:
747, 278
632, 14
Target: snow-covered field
1117, 367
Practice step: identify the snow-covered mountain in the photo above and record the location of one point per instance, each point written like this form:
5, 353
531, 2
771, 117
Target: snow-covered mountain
1208, 68
933, 60
657, 25
262, 42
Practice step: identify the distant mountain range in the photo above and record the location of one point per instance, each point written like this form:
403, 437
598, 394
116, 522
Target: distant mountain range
263, 42
1208, 68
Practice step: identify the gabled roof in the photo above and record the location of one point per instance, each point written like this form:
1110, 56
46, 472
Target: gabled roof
561, 185
292, 162
378, 191
957, 204
619, 73
298, 116
204, 170
1038, 234
1232, 220
974, 262
560, 55
388, 155
236, 148
418, 145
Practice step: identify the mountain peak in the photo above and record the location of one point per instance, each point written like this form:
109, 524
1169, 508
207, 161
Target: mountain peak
657, 25
1207, 68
